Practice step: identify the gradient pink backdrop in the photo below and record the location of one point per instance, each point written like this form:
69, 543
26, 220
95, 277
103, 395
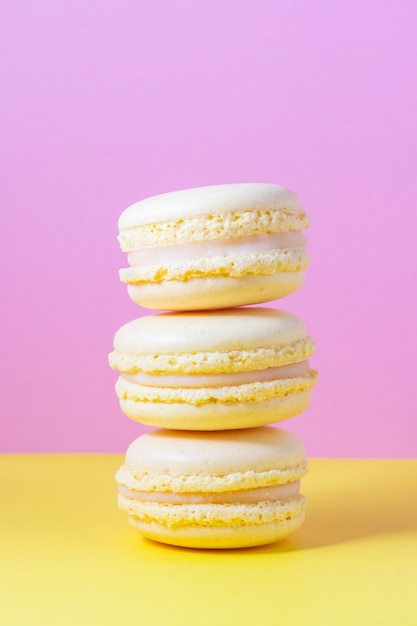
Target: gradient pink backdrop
104, 103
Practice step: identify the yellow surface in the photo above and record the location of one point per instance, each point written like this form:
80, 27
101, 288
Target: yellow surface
68, 556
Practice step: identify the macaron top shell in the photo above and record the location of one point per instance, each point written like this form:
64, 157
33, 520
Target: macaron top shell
218, 199
228, 340
199, 215
219, 452
217, 461
223, 330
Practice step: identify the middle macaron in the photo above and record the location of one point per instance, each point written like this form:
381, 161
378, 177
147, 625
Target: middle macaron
221, 370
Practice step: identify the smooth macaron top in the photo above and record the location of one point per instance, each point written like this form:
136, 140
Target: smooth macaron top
222, 330
216, 453
218, 199
226, 340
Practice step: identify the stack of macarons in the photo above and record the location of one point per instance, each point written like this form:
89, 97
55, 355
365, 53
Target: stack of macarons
211, 373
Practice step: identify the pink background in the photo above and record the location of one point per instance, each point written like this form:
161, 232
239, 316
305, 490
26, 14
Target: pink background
104, 103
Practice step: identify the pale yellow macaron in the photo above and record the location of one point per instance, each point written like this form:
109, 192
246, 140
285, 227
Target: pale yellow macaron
214, 247
225, 369
228, 489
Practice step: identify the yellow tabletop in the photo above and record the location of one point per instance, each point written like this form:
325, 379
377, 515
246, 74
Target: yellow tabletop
68, 556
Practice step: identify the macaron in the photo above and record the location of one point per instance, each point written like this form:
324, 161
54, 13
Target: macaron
214, 247
218, 370
229, 489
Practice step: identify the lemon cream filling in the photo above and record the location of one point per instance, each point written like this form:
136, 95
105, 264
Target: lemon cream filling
154, 255
275, 493
293, 370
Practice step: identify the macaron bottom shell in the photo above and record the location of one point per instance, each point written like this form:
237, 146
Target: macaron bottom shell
215, 292
214, 416
223, 536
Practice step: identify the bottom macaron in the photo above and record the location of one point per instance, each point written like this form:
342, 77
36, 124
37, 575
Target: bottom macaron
229, 489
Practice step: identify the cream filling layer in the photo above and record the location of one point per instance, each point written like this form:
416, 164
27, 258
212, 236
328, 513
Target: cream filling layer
294, 370
275, 493
156, 255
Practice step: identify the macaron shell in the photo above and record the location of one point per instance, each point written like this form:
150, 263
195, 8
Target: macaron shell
216, 416
215, 453
220, 538
217, 331
215, 292
219, 534
218, 199
218, 408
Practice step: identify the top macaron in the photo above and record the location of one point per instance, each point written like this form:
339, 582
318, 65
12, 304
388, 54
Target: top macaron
214, 247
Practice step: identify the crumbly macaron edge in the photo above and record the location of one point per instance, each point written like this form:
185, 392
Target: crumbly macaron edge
213, 362
249, 392
233, 266
211, 515
197, 483
219, 537
213, 226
